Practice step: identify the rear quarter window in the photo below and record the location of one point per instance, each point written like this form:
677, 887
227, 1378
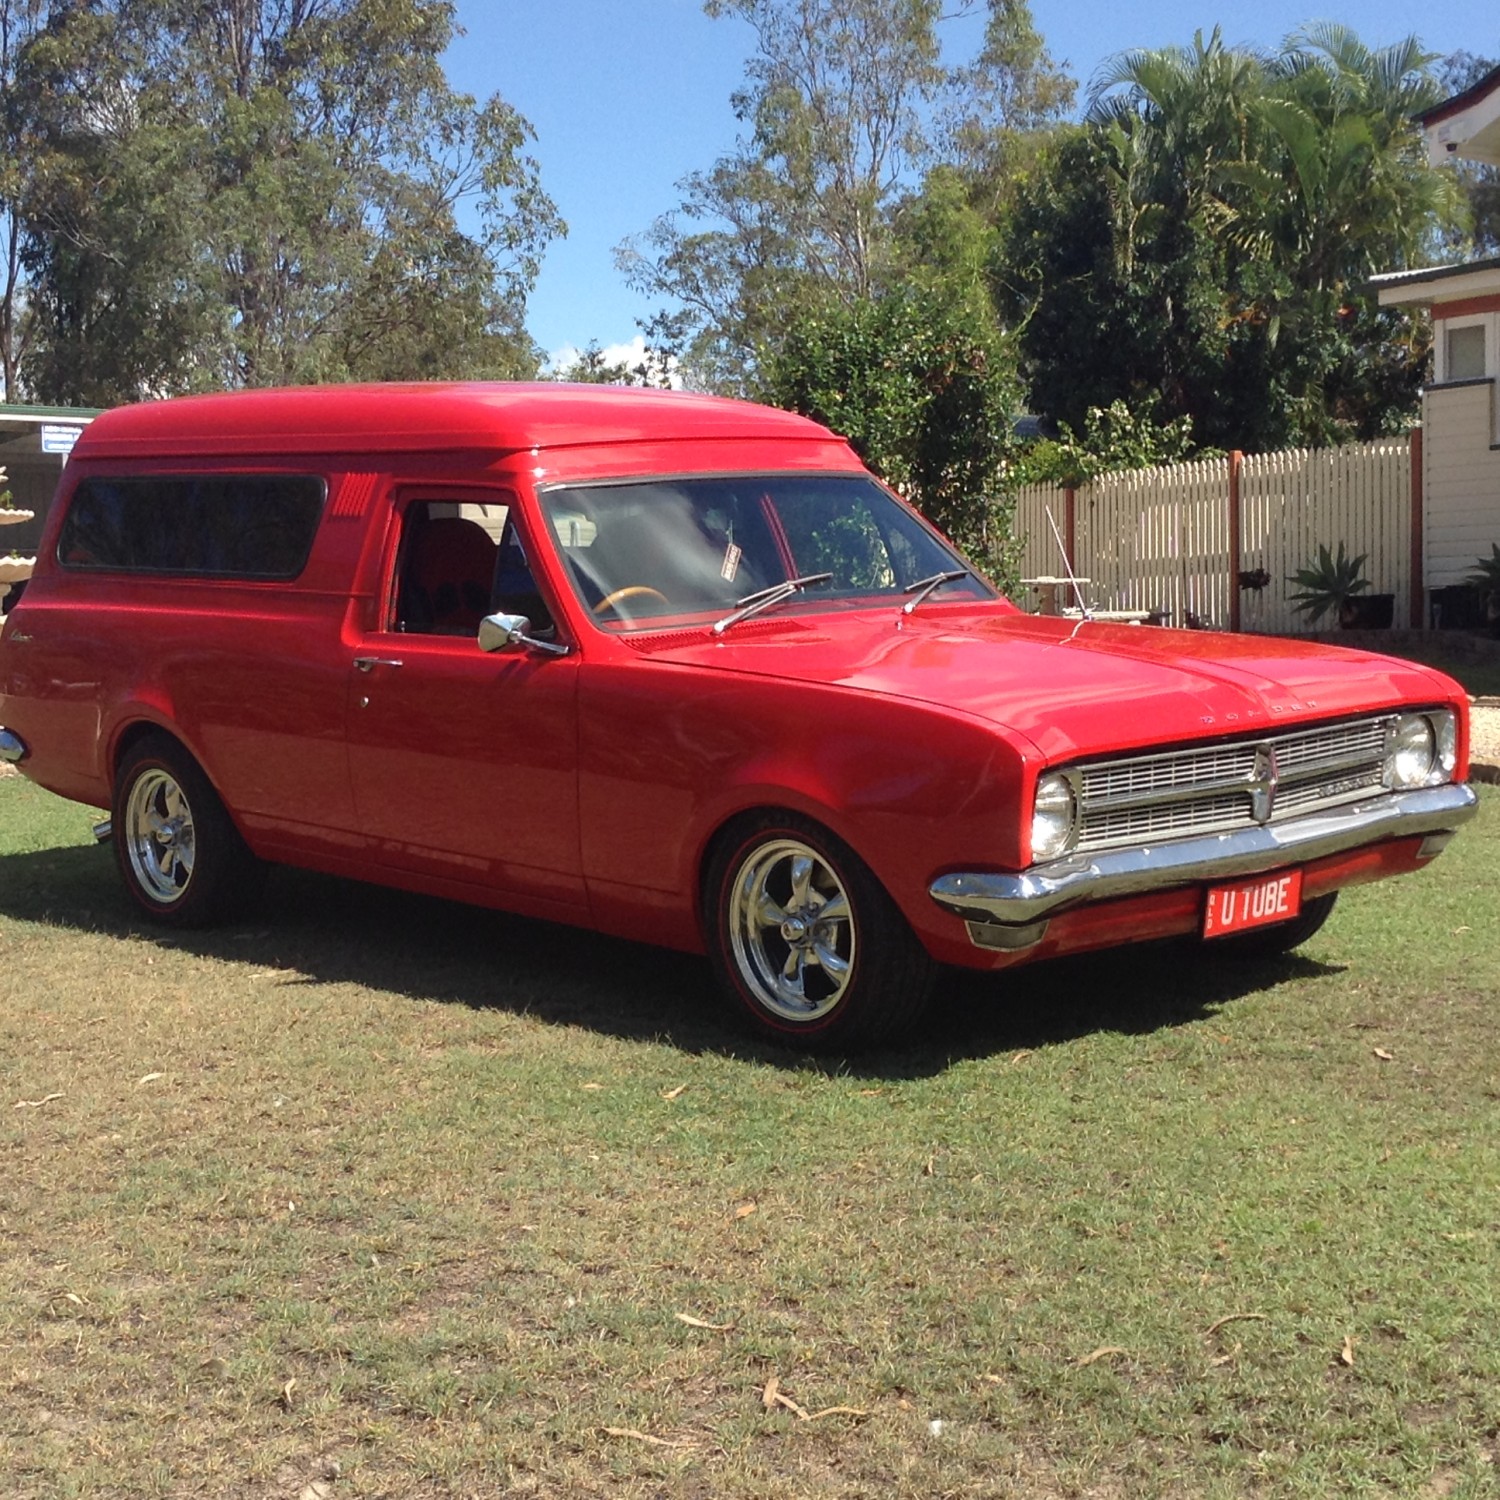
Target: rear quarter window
208, 526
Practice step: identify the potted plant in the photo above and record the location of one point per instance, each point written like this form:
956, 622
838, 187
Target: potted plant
1333, 584
1486, 580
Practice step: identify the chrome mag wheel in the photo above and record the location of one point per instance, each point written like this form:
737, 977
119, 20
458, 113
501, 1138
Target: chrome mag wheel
791, 930
159, 836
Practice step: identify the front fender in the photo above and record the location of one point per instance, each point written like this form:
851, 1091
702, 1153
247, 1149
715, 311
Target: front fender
669, 755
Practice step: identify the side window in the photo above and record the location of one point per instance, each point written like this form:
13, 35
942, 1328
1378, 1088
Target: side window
516, 592
460, 560
446, 566
253, 526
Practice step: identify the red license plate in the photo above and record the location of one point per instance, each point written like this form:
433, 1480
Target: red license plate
1252, 903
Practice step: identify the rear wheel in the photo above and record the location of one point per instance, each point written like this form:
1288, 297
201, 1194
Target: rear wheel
807, 943
178, 852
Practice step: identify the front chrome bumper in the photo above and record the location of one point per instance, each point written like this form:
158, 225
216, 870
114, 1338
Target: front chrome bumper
1045, 890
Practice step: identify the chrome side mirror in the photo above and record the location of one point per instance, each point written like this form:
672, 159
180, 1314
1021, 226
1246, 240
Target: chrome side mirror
513, 632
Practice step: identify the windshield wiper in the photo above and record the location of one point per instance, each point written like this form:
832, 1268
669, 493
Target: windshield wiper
924, 586
778, 593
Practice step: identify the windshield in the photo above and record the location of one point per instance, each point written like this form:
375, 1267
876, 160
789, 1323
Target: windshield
643, 552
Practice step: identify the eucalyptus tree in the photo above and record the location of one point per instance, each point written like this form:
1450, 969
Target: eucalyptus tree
845, 104
19, 22
249, 192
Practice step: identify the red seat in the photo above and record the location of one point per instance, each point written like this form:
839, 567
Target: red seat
449, 576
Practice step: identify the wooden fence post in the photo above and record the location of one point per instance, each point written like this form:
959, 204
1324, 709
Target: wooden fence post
1070, 527
1236, 459
1418, 602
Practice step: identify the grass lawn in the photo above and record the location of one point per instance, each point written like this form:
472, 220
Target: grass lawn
373, 1196
1473, 660
1477, 668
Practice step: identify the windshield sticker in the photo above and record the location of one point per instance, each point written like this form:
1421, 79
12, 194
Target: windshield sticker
731, 564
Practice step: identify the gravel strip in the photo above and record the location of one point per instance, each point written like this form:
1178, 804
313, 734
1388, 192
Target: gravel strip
1484, 740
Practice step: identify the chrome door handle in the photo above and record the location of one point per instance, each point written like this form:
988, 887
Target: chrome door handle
369, 663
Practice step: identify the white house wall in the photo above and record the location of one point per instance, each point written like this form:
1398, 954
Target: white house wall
1461, 480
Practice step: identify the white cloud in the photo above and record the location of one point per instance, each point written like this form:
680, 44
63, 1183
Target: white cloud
630, 354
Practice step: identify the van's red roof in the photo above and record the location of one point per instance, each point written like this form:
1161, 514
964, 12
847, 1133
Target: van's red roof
488, 416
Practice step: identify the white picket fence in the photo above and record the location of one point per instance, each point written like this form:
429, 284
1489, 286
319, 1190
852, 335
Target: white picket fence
1160, 539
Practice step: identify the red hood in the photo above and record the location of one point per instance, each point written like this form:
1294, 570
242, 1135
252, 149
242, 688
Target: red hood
1072, 688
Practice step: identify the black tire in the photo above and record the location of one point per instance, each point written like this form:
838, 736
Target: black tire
824, 983
1272, 942
177, 849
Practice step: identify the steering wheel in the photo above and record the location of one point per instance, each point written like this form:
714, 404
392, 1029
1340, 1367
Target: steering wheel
630, 591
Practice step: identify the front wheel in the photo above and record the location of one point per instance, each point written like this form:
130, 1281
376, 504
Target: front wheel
807, 943
180, 855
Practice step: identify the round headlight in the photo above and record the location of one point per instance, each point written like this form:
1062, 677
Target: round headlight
1411, 752
1053, 816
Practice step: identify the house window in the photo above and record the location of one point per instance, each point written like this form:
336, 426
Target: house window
1464, 353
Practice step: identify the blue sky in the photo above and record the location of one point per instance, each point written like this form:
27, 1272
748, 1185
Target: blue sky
628, 96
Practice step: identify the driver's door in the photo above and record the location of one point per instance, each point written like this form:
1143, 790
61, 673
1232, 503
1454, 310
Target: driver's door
464, 762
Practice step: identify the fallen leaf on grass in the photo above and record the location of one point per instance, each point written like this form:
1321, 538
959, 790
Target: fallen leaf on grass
1099, 1354
1021, 1056
35, 1103
645, 1437
1213, 1328
746, 1209
284, 1400
773, 1396
1383, 1055
693, 1322
1346, 1354
591, 1085
779, 1399
149, 1078
676, 1093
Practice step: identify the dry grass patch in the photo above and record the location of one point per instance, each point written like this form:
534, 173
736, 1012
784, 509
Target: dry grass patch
375, 1196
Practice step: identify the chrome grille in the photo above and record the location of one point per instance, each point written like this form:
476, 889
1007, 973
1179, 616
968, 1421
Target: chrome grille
1221, 787
1132, 778
1109, 827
